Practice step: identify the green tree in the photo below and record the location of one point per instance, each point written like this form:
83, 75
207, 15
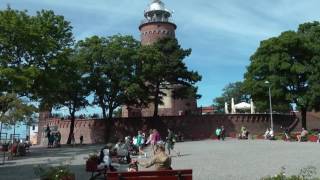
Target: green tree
29, 49
72, 91
14, 109
232, 90
110, 65
162, 68
290, 62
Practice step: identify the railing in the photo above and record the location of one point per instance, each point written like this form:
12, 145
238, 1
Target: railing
145, 21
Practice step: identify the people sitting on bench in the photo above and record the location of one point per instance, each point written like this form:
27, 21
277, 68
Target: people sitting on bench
269, 134
161, 160
303, 135
244, 133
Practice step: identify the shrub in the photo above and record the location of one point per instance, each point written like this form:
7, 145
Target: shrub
54, 173
305, 174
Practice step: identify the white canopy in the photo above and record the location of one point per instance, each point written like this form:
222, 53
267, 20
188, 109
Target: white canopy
243, 105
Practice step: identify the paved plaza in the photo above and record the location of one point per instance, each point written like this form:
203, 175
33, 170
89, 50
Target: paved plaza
210, 160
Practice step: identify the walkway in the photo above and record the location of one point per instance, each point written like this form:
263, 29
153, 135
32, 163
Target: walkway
210, 160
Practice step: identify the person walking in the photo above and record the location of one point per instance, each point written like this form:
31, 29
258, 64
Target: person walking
222, 133
81, 139
155, 138
140, 142
170, 142
218, 133
73, 140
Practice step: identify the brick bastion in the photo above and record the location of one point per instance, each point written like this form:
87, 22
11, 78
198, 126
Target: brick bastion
192, 127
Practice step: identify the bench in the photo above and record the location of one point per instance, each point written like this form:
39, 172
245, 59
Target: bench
183, 174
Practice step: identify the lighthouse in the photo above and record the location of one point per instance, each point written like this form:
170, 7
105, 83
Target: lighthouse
157, 24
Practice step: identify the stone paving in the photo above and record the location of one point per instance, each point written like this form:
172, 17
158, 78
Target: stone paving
210, 160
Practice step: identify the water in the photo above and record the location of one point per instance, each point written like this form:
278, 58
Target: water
21, 131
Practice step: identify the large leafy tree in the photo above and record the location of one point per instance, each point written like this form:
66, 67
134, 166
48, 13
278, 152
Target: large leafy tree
29, 49
162, 68
291, 63
14, 109
72, 91
110, 68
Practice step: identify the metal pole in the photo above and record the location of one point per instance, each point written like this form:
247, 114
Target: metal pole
270, 103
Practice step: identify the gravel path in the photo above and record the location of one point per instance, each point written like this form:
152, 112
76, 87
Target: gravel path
210, 160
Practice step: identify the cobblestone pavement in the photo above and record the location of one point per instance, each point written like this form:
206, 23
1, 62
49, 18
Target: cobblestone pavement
210, 160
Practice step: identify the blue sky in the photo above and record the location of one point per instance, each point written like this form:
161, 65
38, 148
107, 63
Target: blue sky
223, 34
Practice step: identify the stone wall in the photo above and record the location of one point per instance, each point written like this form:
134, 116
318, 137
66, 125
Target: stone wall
192, 127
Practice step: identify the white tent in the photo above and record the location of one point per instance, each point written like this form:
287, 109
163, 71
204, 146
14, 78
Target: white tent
233, 109
226, 110
252, 107
242, 105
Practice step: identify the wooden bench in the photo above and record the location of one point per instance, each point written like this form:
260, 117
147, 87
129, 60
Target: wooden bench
183, 174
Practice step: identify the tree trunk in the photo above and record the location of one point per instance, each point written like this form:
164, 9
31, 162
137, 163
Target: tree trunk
71, 126
104, 115
109, 125
156, 101
304, 117
110, 115
103, 107
0, 128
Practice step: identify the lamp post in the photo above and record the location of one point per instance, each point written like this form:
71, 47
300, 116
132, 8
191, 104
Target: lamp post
270, 103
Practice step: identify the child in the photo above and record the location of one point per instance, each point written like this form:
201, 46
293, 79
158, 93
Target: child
81, 139
133, 166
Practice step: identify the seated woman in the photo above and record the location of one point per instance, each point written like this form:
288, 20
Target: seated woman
271, 135
244, 133
267, 134
302, 135
161, 160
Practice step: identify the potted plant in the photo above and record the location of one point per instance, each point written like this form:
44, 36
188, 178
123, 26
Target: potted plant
54, 173
5, 147
92, 163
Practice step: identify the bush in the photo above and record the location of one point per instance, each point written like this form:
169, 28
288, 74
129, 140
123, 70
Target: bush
305, 174
54, 173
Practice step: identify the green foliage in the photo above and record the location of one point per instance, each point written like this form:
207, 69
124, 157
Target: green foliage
291, 63
53, 173
307, 173
162, 67
29, 49
232, 90
110, 65
13, 109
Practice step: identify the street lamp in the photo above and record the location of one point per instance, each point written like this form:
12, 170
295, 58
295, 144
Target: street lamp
271, 119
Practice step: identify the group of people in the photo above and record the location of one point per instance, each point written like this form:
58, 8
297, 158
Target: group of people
244, 134
124, 149
221, 133
269, 134
54, 138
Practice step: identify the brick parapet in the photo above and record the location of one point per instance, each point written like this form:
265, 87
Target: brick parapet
193, 127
